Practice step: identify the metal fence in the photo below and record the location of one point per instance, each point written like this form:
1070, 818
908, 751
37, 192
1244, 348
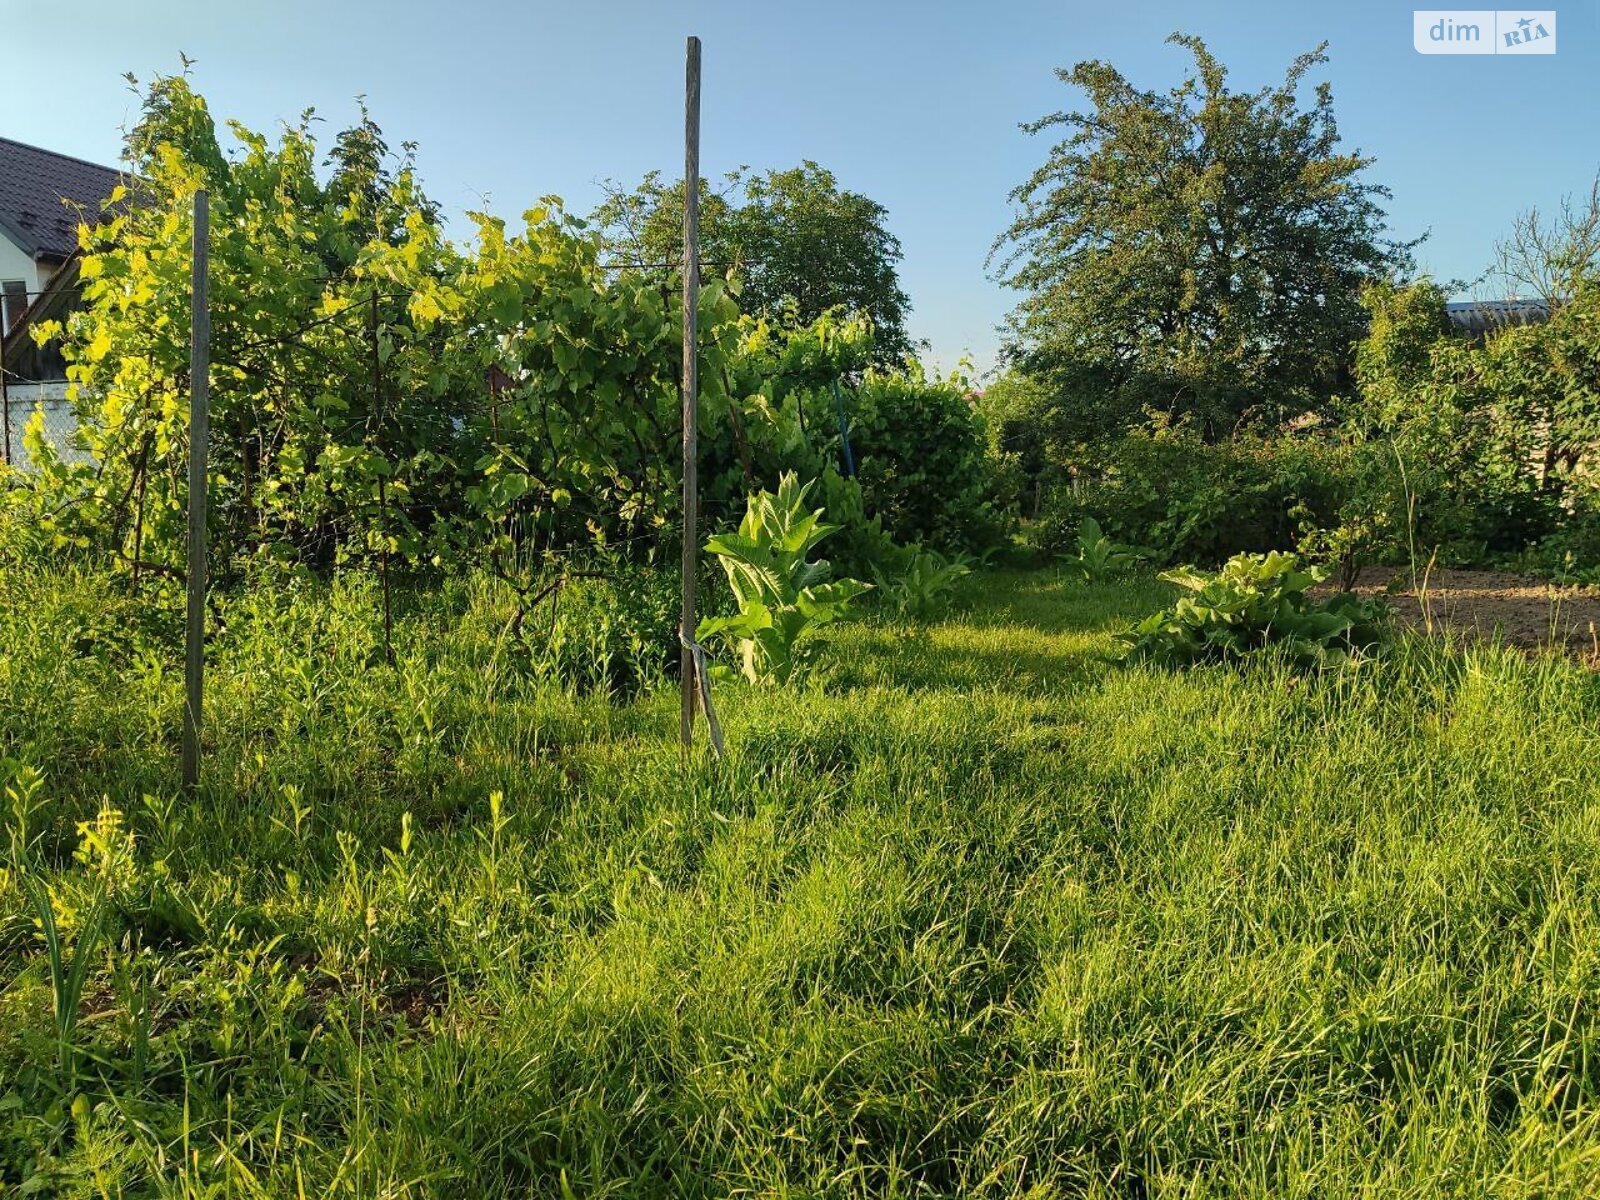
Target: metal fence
26, 400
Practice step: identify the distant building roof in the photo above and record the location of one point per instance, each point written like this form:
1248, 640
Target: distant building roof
1479, 318
33, 185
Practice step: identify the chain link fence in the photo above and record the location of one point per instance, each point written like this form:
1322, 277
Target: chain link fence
45, 400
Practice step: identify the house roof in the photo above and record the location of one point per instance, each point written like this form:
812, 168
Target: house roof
1476, 318
33, 185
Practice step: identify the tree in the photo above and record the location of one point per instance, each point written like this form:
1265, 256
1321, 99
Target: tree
1552, 258
1195, 254
793, 239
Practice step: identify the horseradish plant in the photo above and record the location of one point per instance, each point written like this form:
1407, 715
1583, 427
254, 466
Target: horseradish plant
1254, 602
919, 583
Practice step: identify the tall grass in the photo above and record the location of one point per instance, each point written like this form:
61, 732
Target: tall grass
985, 916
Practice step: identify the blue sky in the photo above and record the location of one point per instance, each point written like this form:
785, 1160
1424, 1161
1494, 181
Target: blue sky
915, 104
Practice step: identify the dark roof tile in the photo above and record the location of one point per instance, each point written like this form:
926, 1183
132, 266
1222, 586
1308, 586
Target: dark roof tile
33, 185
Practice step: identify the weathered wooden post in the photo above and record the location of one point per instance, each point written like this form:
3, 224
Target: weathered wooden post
199, 437
691, 380
5, 396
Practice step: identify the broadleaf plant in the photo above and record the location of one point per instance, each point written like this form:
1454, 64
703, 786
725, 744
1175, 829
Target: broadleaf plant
1254, 602
1097, 557
921, 582
783, 598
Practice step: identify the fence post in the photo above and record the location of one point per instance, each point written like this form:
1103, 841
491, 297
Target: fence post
691, 380
383, 485
199, 437
5, 396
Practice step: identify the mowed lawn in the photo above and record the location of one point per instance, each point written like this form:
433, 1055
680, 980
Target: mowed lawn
987, 915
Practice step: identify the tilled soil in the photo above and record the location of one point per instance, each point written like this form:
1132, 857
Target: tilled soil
1523, 612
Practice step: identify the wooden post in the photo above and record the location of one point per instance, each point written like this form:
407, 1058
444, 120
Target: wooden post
5, 396
383, 486
691, 377
199, 436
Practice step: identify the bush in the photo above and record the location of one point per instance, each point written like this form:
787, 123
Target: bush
383, 395
919, 451
1195, 501
1465, 449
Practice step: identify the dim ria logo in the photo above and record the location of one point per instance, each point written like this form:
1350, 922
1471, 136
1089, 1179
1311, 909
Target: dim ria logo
1485, 31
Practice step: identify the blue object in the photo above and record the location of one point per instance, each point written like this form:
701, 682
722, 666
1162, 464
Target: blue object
844, 432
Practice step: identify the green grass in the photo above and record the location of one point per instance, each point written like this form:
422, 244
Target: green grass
988, 916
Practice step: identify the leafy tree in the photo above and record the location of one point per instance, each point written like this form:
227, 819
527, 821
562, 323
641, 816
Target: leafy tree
792, 238
1021, 422
375, 389
1197, 253
378, 392
1394, 361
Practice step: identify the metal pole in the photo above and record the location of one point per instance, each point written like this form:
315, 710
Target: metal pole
691, 380
199, 436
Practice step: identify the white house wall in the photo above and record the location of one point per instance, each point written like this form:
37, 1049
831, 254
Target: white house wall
14, 264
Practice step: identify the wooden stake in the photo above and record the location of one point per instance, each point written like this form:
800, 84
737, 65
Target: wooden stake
691, 378
5, 396
199, 436
383, 485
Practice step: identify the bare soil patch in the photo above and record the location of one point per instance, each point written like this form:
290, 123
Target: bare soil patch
1520, 611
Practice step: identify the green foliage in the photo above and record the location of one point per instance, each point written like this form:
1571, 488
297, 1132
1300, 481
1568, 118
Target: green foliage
1475, 449
1405, 324
431, 930
1097, 558
1190, 500
920, 583
1196, 253
381, 394
920, 460
1474, 453
791, 239
1022, 423
783, 598
922, 475
1254, 602
615, 635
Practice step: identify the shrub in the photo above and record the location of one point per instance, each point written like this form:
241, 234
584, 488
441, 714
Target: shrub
1195, 501
383, 395
1253, 602
1465, 448
920, 461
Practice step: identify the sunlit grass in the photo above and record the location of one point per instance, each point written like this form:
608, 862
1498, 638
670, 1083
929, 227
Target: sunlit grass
986, 915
